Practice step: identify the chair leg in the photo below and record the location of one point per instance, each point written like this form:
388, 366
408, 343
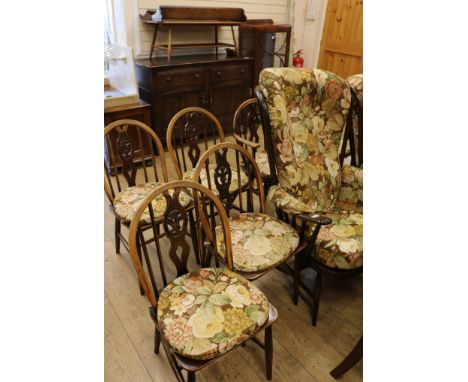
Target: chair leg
191, 376
193, 233
352, 359
268, 352
316, 298
296, 278
117, 236
157, 340
142, 291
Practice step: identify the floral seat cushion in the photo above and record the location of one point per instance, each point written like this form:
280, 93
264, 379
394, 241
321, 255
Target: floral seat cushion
261, 157
127, 202
211, 168
206, 313
339, 244
259, 241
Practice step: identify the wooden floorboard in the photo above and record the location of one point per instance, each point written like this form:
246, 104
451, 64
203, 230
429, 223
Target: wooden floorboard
301, 352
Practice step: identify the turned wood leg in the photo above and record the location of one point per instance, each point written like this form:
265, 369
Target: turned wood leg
352, 359
169, 44
142, 291
191, 376
268, 352
316, 298
117, 236
296, 277
153, 42
193, 233
157, 340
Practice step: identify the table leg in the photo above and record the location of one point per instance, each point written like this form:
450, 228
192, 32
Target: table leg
169, 44
153, 42
235, 41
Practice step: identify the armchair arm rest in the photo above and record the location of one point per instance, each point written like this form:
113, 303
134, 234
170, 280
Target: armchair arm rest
316, 218
244, 141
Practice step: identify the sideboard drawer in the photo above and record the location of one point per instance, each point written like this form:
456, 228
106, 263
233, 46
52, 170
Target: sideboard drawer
230, 72
171, 78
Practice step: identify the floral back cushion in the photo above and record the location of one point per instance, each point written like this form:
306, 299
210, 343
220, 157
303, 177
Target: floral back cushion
308, 110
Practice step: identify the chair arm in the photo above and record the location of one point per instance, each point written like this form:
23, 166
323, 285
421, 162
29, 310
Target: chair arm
316, 218
240, 140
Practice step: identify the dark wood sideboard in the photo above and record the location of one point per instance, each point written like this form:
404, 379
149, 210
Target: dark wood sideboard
214, 82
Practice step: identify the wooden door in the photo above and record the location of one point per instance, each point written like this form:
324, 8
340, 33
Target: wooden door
341, 47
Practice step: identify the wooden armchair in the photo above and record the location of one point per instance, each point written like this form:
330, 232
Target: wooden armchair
202, 314
305, 115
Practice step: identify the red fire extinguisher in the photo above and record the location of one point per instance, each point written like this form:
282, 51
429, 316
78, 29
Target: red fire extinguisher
298, 61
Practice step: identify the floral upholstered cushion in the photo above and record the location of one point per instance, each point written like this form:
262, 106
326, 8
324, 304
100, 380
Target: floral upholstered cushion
308, 110
206, 313
357, 82
339, 244
127, 202
261, 157
211, 168
351, 195
259, 241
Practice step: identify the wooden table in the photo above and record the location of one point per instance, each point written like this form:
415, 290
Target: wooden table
177, 16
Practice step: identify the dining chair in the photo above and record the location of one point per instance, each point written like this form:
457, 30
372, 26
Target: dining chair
204, 313
260, 242
134, 165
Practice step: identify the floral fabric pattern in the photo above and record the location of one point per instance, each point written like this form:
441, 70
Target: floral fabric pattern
308, 109
259, 241
233, 187
261, 157
339, 244
129, 200
206, 313
351, 196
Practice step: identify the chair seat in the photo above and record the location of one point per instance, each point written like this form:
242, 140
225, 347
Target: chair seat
339, 244
204, 179
205, 313
127, 202
261, 157
259, 241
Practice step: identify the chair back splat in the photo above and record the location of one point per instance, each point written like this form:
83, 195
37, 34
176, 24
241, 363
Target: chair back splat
247, 127
234, 176
190, 132
175, 223
132, 155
